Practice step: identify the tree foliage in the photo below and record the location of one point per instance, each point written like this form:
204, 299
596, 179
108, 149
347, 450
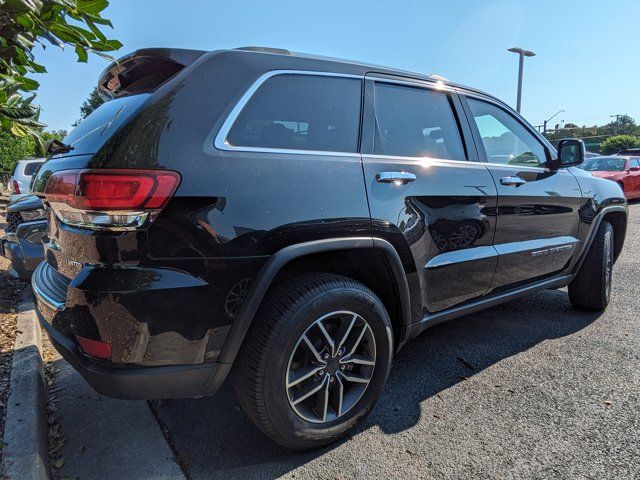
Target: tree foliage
619, 142
595, 135
25, 23
89, 105
13, 149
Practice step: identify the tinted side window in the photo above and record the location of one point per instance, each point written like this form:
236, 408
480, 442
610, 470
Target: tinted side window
414, 122
32, 167
635, 163
504, 138
301, 112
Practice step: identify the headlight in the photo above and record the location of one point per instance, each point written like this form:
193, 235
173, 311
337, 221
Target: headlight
29, 215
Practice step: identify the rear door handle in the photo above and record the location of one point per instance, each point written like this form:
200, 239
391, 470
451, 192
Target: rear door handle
399, 178
514, 181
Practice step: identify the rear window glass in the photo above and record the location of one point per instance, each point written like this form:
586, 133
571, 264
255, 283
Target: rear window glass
301, 112
92, 132
414, 122
32, 167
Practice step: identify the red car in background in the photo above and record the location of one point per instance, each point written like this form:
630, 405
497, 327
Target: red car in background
624, 170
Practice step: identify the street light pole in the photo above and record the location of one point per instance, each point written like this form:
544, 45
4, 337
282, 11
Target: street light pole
521, 53
544, 128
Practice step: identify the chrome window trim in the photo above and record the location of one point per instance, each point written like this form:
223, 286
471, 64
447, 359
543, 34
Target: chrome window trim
435, 85
221, 142
421, 160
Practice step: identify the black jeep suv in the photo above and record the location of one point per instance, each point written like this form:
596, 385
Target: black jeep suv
294, 220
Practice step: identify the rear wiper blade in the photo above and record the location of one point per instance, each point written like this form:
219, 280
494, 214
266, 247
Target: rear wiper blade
53, 147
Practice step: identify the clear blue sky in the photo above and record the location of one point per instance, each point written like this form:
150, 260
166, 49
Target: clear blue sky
587, 59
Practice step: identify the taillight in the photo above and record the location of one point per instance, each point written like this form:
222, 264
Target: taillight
115, 199
16, 187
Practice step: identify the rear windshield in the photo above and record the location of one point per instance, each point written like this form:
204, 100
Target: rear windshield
608, 164
98, 127
32, 167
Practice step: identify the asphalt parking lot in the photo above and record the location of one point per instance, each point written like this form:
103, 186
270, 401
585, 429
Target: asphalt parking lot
529, 389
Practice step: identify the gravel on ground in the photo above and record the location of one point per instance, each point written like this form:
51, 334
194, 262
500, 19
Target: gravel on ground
10, 291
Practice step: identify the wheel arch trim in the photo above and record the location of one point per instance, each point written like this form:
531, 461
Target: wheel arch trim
594, 230
277, 261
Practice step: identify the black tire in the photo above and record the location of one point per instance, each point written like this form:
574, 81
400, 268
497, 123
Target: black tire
262, 368
591, 287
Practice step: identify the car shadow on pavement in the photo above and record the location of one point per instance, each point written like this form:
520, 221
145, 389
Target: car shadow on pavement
213, 439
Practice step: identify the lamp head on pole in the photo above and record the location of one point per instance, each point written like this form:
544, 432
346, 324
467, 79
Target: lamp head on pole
522, 51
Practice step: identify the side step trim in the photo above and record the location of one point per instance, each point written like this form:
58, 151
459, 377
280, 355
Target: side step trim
440, 317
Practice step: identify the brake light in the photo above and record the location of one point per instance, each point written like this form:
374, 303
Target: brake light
116, 199
16, 187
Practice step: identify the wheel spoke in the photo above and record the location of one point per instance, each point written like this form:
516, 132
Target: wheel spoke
353, 377
357, 360
359, 339
346, 334
310, 391
328, 338
325, 400
302, 374
313, 350
340, 394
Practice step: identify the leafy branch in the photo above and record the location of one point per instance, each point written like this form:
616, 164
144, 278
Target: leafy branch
23, 25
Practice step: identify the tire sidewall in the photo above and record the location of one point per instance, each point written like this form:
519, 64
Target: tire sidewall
285, 420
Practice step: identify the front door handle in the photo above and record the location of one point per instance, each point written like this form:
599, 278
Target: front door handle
514, 181
398, 178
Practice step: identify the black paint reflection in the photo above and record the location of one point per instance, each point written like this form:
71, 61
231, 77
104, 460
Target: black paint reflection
453, 222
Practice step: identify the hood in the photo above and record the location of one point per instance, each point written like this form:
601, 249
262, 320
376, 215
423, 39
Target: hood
24, 204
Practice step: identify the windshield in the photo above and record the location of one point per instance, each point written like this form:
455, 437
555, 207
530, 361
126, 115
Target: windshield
604, 164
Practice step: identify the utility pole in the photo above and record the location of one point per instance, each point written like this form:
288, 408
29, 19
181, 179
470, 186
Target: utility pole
615, 125
544, 126
521, 53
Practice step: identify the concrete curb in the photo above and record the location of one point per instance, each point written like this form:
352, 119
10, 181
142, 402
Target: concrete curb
26, 452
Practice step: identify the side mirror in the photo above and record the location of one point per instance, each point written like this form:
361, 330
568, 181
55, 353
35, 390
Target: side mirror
571, 152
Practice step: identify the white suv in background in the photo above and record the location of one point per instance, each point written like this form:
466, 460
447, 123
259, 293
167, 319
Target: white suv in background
21, 179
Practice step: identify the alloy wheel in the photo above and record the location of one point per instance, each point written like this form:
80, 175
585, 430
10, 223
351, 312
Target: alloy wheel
330, 367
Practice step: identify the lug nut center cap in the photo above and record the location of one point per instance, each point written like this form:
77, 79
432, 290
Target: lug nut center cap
333, 365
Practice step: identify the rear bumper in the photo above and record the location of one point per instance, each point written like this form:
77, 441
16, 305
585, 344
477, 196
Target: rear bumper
145, 383
24, 249
137, 315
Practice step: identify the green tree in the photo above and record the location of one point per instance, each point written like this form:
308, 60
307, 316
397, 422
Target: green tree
619, 142
12, 149
53, 135
625, 125
23, 23
89, 105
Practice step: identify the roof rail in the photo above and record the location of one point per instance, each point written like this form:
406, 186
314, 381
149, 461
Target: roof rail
435, 76
279, 51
